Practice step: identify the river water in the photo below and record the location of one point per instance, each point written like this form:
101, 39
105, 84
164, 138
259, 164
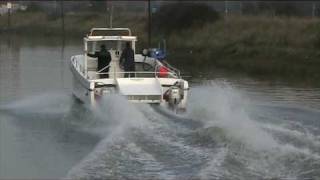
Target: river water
236, 127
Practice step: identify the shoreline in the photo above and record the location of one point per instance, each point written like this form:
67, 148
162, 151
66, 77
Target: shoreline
260, 46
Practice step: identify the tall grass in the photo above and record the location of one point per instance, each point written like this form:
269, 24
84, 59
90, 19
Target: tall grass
75, 24
255, 44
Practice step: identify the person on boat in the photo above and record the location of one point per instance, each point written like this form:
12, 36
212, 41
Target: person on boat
104, 59
127, 60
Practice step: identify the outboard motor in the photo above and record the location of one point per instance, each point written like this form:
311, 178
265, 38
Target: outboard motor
174, 94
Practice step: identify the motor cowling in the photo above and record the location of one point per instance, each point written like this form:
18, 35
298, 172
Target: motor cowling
174, 94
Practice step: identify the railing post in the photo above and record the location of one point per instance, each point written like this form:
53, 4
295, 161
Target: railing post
85, 57
114, 72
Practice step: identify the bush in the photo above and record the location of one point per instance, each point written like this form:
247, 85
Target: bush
272, 8
34, 7
178, 16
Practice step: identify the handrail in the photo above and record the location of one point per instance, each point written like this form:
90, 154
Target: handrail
103, 68
136, 73
155, 72
172, 68
173, 72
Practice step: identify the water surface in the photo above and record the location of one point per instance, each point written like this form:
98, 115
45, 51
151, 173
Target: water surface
236, 127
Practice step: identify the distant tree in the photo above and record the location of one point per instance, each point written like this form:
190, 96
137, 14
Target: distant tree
182, 15
98, 5
286, 9
266, 8
250, 8
277, 8
34, 6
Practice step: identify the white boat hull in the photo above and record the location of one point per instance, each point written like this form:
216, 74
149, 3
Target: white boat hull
86, 92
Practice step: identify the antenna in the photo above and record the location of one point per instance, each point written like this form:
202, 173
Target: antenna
149, 23
111, 15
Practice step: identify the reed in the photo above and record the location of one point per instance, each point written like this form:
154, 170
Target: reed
259, 45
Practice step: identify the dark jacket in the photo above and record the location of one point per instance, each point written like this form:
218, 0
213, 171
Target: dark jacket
127, 58
104, 59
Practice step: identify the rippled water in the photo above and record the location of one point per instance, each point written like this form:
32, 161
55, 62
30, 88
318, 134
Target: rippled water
235, 128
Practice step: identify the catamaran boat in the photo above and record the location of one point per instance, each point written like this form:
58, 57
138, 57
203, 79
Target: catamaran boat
154, 81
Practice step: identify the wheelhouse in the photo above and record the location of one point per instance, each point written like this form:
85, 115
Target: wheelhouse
114, 39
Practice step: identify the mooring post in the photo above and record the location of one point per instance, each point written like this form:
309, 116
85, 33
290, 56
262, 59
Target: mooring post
62, 17
313, 9
9, 5
226, 8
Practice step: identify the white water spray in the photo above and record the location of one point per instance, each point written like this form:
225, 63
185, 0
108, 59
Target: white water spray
122, 116
50, 103
218, 104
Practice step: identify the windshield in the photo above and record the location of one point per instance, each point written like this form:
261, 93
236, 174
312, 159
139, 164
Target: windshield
110, 45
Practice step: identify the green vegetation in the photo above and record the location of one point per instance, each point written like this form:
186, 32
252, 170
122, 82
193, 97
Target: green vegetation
75, 24
279, 46
258, 45
187, 15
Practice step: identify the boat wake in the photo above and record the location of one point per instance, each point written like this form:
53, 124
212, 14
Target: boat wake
219, 137
254, 149
50, 103
223, 135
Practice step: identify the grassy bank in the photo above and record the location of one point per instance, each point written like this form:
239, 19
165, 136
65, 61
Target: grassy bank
258, 45
278, 46
75, 24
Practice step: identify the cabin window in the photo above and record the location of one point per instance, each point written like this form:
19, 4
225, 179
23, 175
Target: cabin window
95, 45
110, 45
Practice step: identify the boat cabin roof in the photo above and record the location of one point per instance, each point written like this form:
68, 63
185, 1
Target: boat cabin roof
110, 34
110, 38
